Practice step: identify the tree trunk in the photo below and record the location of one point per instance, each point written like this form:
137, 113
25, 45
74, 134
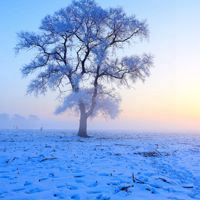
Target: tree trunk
83, 121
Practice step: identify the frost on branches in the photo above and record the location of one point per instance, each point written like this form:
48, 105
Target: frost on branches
76, 51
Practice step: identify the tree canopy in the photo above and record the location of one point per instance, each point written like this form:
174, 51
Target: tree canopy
76, 52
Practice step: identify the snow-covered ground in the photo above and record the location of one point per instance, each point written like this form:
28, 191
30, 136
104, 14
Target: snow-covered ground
58, 165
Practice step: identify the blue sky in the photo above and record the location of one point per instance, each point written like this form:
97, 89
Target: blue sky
167, 100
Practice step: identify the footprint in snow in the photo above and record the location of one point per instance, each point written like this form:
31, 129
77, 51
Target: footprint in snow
34, 190
2, 172
75, 196
51, 175
59, 196
7, 177
78, 176
76, 170
27, 183
94, 192
43, 179
101, 197
60, 186
93, 184
104, 174
18, 189
71, 187
2, 194
79, 181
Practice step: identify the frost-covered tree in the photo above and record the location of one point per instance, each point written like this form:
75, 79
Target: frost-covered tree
76, 53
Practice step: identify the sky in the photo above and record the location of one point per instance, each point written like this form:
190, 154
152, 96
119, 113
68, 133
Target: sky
168, 101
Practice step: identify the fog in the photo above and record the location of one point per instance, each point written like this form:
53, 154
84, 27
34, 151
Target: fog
18, 121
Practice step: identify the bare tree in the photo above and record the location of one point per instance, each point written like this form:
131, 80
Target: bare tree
76, 54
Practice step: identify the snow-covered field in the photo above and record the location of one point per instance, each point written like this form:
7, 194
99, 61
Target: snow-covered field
58, 165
